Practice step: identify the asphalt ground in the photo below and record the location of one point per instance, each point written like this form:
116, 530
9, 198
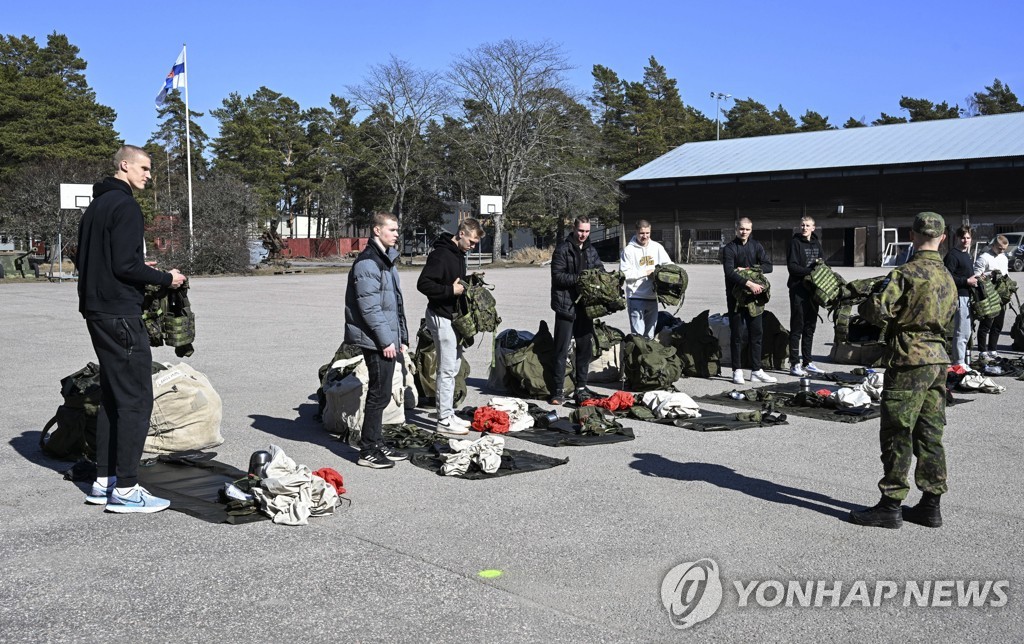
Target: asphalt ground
583, 548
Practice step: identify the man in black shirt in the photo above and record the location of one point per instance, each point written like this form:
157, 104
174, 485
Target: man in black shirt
744, 252
112, 277
960, 265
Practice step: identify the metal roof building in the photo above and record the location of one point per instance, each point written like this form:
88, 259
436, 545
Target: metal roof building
854, 182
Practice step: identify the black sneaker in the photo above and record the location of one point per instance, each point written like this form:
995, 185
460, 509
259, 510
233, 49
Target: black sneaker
583, 394
393, 454
556, 398
376, 459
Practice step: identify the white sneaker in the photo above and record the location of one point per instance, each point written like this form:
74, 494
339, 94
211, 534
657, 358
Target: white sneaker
994, 354
798, 371
737, 377
452, 427
810, 367
761, 376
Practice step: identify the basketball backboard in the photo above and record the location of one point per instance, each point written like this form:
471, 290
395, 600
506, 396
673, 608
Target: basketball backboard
75, 195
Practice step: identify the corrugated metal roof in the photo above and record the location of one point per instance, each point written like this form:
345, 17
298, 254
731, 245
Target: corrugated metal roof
979, 137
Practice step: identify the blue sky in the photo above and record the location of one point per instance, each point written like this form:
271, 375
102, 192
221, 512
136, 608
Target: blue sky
839, 59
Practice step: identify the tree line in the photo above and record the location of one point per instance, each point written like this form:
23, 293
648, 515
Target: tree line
502, 119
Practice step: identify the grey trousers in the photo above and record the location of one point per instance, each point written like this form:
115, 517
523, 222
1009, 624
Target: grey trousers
449, 357
961, 330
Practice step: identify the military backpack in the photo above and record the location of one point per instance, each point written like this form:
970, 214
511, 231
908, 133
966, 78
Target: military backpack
1005, 287
476, 311
425, 363
600, 292
669, 282
167, 314
985, 300
745, 299
699, 352
648, 364
824, 284
530, 369
75, 432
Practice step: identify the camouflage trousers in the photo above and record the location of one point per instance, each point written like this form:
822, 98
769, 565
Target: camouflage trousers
913, 419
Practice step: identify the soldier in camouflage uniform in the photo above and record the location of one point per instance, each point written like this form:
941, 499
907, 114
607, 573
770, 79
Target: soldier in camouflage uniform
917, 305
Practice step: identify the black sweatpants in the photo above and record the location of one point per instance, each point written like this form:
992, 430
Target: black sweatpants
740, 323
380, 372
989, 330
126, 385
582, 328
803, 320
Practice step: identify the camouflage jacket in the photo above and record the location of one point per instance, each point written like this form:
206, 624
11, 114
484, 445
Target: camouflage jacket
917, 305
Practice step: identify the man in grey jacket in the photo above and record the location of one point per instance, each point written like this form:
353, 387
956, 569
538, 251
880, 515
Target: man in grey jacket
375, 321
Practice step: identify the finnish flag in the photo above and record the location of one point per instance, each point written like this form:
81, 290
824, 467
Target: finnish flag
175, 78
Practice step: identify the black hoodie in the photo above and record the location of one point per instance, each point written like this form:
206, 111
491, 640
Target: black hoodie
112, 271
800, 259
445, 263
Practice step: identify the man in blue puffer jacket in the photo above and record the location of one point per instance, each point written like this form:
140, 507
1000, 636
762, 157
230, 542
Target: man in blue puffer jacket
375, 321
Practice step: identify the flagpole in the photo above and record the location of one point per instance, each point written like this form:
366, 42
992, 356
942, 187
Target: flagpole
188, 152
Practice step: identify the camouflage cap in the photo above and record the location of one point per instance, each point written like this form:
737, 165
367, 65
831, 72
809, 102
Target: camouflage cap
929, 224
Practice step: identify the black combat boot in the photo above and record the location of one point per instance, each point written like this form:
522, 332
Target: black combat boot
886, 514
926, 512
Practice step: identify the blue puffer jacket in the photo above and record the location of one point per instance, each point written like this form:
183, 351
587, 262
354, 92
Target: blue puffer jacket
374, 311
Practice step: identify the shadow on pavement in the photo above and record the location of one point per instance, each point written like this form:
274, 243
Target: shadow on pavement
727, 478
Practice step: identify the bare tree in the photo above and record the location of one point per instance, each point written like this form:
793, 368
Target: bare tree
510, 91
402, 100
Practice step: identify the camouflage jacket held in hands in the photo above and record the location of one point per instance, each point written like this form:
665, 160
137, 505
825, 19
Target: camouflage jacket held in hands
917, 306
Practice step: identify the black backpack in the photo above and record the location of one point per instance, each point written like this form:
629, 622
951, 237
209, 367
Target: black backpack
75, 432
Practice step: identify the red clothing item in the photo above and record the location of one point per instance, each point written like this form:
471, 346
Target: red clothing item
489, 419
333, 478
618, 400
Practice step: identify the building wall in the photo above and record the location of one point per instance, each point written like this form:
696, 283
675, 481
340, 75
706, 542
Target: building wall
990, 197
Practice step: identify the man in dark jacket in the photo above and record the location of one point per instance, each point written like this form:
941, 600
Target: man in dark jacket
804, 253
440, 281
572, 256
112, 277
375, 321
960, 265
744, 252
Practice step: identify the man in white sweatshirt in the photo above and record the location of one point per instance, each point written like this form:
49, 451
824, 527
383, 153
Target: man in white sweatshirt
638, 260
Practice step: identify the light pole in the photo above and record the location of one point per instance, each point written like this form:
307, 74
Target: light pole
718, 96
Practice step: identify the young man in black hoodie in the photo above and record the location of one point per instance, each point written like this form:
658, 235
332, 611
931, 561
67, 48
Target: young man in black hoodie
804, 252
744, 252
440, 282
572, 256
960, 264
112, 276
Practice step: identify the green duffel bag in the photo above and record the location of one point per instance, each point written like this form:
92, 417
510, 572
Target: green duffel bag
648, 364
529, 370
425, 362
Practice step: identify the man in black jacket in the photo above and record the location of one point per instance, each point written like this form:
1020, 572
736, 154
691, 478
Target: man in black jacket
112, 276
440, 282
804, 253
744, 252
960, 264
572, 256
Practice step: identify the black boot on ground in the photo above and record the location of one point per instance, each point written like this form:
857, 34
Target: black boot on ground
886, 514
926, 512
